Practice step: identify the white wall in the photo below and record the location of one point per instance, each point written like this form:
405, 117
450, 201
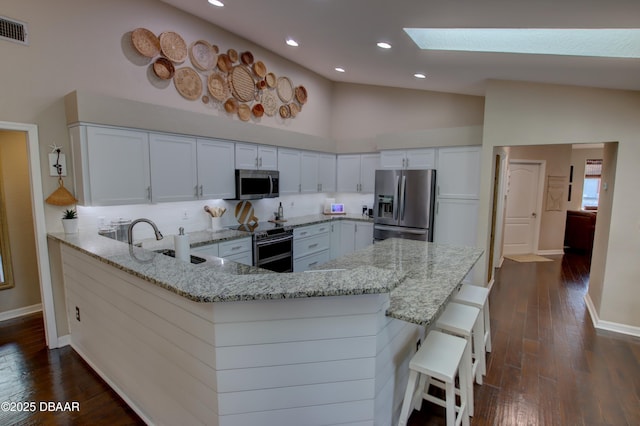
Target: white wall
519, 113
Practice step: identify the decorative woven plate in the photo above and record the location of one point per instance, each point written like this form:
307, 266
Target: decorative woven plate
164, 68
145, 42
260, 69
271, 80
233, 55
231, 106
269, 103
246, 58
294, 109
285, 89
202, 56
301, 94
244, 112
188, 83
224, 63
285, 112
217, 87
173, 46
258, 110
242, 83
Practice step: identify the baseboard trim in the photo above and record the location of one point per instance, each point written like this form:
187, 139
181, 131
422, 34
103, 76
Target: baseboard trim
112, 385
64, 340
20, 312
549, 252
609, 325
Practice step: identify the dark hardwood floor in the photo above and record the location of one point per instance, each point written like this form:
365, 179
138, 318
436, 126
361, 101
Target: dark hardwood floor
549, 366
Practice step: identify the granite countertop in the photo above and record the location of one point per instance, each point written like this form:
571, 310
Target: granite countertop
419, 276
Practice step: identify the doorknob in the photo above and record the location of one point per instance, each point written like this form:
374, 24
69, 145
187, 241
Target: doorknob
534, 214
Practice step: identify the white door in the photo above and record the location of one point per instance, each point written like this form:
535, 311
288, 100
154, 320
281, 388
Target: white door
216, 174
246, 156
309, 172
326, 173
173, 168
348, 173
521, 220
369, 163
267, 157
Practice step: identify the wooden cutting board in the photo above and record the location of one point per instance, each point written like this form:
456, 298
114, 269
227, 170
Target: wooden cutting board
244, 213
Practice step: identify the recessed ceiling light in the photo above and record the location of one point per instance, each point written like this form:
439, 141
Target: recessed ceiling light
216, 3
339, 69
419, 75
292, 42
384, 45
601, 42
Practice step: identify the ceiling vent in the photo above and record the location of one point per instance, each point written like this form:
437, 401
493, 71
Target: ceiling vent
13, 30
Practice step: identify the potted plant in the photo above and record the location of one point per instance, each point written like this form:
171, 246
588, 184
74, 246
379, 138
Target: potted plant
70, 221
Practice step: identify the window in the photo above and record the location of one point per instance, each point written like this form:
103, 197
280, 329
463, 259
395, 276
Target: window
591, 188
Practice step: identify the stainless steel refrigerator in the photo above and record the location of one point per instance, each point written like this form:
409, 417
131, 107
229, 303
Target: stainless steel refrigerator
403, 204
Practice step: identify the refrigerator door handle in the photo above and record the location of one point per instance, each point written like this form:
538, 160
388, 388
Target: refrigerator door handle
403, 189
395, 200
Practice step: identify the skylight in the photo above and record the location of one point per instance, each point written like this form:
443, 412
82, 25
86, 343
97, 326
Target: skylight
603, 42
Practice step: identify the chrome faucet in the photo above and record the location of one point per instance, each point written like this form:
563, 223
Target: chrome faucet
155, 229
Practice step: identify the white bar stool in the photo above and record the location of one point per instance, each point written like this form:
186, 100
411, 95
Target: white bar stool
464, 321
441, 357
478, 297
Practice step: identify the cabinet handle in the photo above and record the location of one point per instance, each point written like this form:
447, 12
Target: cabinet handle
303, 233
438, 189
299, 187
260, 161
313, 263
196, 190
437, 207
236, 247
407, 163
403, 162
321, 229
201, 190
313, 245
149, 193
256, 162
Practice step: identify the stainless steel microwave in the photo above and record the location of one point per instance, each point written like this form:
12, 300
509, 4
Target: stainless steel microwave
256, 184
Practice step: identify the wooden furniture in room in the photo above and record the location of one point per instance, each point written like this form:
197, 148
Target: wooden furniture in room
580, 229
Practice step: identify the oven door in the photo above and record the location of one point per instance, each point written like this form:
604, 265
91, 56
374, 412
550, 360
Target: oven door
275, 254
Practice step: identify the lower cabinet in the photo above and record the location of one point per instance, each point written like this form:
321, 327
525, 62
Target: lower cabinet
240, 250
311, 246
353, 236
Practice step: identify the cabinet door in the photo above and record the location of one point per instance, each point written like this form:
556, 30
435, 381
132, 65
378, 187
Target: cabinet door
289, 160
246, 156
309, 172
335, 250
326, 173
347, 237
208, 250
245, 258
363, 235
173, 168
459, 172
456, 222
216, 174
368, 165
267, 157
117, 166
392, 159
348, 173
421, 159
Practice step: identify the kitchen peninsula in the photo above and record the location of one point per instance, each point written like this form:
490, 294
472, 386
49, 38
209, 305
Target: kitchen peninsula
229, 344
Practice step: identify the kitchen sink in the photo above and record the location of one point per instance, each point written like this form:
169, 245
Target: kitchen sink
172, 253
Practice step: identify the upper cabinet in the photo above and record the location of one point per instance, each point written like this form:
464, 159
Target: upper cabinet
256, 157
289, 161
111, 166
216, 172
423, 158
326, 173
356, 172
173, 168
459, 172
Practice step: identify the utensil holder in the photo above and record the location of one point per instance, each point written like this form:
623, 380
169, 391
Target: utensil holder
216, 223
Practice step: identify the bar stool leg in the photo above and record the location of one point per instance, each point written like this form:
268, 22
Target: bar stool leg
467, 371
487, 327
450, 394
465, 396
479, 350
408, 402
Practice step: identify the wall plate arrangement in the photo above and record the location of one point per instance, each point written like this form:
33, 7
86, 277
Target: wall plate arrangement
228, 78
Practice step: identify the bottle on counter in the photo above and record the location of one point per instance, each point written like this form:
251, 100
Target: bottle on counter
280, 212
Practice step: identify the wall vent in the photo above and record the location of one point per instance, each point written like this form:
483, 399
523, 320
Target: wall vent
13, 30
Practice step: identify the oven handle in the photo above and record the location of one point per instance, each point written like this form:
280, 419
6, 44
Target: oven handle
273, 241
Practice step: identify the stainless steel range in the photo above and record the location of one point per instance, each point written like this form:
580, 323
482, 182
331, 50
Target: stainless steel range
272, 246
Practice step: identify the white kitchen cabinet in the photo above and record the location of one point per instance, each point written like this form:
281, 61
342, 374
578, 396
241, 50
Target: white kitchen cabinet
234, 247
354, 236
111, 166
216, 172
245, 258
311, 246
326, 173
456, 221
208, 250
356, 172
335, 250
416, 159
173, 168
309, 172
459, 172
252, 157
289, 167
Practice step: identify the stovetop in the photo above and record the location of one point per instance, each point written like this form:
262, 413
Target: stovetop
261, 229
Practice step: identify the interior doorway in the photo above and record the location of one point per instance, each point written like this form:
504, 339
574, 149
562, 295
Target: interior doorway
30, 132
523, 206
